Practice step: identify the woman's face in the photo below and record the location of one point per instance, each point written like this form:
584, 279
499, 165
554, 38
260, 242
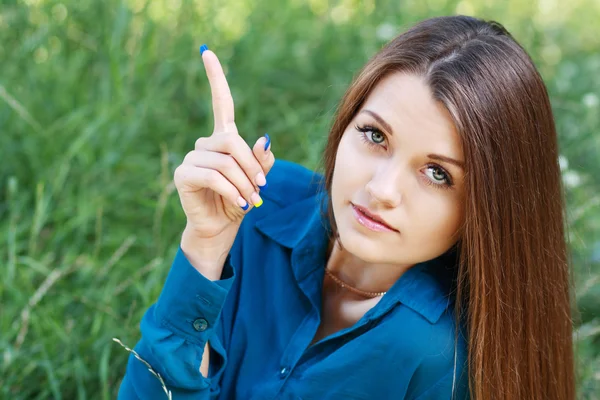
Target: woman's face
395, 160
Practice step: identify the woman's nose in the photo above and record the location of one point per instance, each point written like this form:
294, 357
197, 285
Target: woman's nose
384, 187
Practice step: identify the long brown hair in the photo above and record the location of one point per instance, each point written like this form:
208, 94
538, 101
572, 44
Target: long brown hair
513, 290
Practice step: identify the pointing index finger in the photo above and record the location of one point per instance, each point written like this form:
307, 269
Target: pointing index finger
221, 95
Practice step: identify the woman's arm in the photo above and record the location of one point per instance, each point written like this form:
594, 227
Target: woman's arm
176, 331
450, 386
443, 372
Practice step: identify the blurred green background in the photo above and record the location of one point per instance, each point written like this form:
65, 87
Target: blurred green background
100, 101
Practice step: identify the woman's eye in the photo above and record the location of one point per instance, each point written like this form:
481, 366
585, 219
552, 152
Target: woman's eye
377, 137
439, 175
371, 135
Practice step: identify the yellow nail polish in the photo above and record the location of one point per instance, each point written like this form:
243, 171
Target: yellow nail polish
256, 199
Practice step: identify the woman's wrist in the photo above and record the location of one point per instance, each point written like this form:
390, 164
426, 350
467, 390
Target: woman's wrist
206, 257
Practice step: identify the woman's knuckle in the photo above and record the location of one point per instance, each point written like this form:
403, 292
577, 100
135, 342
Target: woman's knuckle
180, 174
200, 142
189, 157
228, 164
211, 178
229, 140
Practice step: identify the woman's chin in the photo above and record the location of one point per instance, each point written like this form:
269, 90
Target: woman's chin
364, 248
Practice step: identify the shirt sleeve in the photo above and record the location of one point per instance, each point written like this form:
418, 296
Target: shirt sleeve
443, 372
449, 387
174, 333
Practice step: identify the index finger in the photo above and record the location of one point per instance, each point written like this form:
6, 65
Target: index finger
221, 95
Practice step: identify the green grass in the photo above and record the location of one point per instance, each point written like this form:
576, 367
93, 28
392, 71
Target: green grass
100, 101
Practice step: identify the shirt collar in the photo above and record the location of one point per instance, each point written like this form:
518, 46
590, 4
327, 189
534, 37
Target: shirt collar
427, 287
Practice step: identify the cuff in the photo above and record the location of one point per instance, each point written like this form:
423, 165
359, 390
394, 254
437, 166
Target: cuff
189, 303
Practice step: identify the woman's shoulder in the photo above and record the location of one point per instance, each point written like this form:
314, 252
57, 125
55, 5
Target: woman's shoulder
292, 192
443, 350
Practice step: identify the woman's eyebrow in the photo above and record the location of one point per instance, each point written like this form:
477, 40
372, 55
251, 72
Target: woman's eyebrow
449, 160
438, 157
385, 125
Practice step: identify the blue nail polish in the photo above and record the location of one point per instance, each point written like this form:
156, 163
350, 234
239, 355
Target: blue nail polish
246, 207
263, 187
203, 48
268, 141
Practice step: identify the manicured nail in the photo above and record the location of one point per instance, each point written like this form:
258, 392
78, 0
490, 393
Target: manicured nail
268, 142
242, 203
256, 200
203, 48
261, 181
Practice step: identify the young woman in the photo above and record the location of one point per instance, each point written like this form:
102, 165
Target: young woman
428, 262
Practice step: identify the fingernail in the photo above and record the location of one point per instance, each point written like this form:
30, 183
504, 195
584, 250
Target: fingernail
268, 142
242, 203
256, 200
203, 48
261, 181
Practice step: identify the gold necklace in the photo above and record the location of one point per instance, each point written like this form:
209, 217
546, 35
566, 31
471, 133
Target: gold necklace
353, 289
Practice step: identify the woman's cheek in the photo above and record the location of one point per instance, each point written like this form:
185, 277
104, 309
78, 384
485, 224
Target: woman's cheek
446, 219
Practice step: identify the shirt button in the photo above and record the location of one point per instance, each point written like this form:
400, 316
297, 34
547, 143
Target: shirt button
200, 324
283, 372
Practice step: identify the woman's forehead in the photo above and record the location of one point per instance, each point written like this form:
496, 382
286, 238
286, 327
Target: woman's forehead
405, 102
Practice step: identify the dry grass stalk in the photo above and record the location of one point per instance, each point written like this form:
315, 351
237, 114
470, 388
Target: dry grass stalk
162, 382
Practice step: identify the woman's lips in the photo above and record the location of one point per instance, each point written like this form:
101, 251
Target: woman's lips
369, 222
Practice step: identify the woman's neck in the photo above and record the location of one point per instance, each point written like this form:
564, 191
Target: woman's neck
370, 277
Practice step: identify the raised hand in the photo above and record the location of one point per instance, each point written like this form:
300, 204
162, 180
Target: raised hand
220, 180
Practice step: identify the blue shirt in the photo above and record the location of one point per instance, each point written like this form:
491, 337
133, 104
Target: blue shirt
261, 316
